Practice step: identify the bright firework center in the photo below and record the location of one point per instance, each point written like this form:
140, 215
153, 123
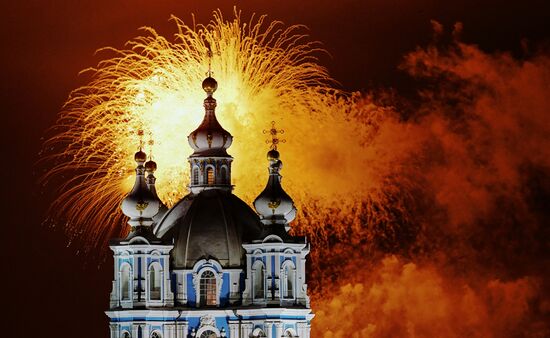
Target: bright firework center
210, 266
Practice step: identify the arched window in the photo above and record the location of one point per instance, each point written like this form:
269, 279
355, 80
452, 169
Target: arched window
208, 290
154, 282
208, 334
125, 282
156, 334
195, 175
224, 177
258, 333
289, 333
126, 334
259, 277
209, 175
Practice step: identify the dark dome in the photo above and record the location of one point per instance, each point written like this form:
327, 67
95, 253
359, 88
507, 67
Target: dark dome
211, 224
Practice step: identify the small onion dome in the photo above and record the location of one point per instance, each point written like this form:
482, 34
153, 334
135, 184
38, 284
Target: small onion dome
140, 205
150, 166
209, 85
273, 155
140, 157
210, 139
273, 204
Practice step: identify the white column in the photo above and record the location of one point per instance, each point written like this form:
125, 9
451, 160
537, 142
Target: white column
269, 329
182, 330
246, 330
277, 284
269, 276
233, 330
114, 330
303, 330
278, 329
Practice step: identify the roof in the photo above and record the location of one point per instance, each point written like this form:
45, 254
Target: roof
211, 224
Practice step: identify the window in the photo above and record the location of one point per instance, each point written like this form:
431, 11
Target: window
125, 282
195, 175
208, 289
259, 277
126, 334
154, 282
155, 335
288, 333
224, 175
210, 175
208, 334
258, 333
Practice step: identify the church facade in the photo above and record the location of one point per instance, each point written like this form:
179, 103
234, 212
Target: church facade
210, 266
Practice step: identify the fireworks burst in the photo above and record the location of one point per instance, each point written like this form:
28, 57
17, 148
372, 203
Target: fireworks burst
266, 72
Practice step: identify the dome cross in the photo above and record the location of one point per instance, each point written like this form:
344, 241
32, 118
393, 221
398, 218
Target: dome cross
274, 132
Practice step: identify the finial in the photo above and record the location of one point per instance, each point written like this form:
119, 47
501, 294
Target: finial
209, 55
209, 84
140, 157
275, 140
150, 166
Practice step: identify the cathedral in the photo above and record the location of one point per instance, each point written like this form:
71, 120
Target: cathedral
210, 266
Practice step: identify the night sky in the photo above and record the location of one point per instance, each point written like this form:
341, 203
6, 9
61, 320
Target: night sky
52, 290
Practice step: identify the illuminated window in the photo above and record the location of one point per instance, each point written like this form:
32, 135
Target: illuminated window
125, 282
154, 282
210, 176
208, 289
195, 175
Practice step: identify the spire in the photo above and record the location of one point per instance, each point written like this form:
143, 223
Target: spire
140, 205
210, 139
273, 204
210, 163
150, 168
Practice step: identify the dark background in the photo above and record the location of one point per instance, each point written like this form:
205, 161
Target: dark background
54, 292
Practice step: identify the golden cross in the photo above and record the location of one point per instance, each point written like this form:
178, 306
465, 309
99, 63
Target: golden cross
274, 139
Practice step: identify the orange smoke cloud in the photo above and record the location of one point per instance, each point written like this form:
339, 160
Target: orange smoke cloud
405, 300
463, 249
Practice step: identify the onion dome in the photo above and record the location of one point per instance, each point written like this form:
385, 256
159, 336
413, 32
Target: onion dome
273, 204
150, 168
210, 139
140, 205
